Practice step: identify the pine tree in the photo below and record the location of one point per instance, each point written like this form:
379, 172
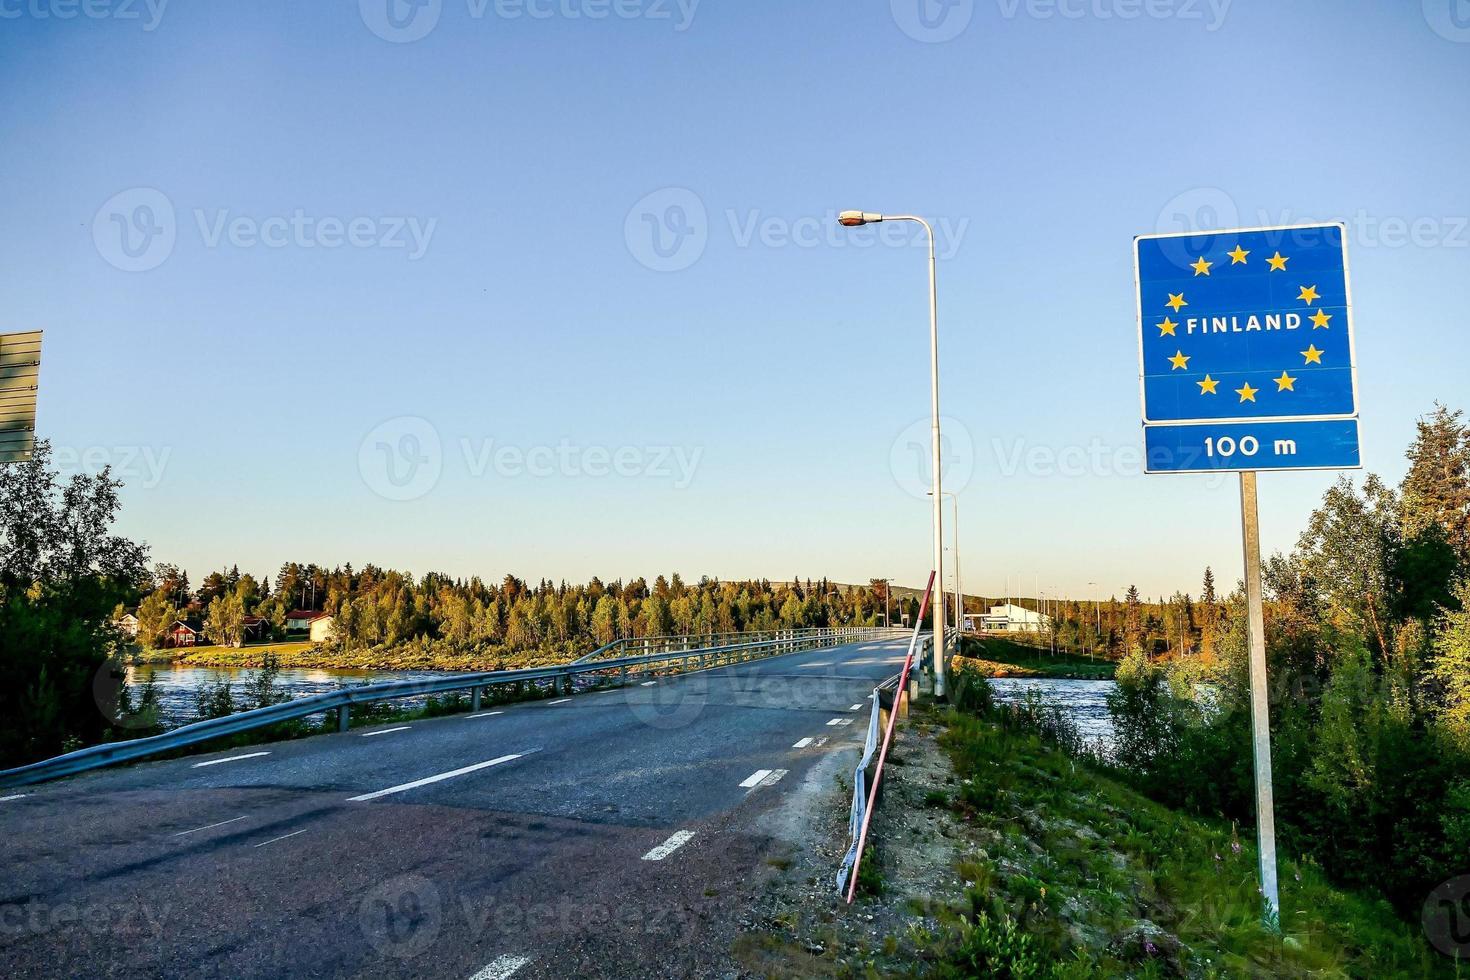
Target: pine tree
1209, 614
1436, 490
1133, 621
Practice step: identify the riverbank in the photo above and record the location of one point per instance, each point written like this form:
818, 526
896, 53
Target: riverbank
409, 657
997, 854
999, 657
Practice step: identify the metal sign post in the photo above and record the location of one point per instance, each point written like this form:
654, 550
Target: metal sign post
1250, 525
20, 370
1246, 362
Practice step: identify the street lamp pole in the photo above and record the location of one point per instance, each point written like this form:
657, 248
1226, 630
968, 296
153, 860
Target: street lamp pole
854, 219
954, 530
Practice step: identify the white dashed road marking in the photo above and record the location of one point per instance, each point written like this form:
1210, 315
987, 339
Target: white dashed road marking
233, 758
282, 837
802, 744
839, 721
486, 714
763, 777
754, 778
559, 701
433, 779
648, 684
385, 731
501, 968
676, 841
17, 796
855, 707
210, 826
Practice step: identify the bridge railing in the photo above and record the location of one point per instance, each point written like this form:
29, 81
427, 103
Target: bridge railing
556, 678
635, 646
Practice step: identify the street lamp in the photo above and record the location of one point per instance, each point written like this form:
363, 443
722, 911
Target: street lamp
855, 219
959, 592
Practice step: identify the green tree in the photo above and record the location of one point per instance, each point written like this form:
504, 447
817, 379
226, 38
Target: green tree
62, 572
605, 620
1348, 549
1436, 490
1133, 621
1451, 669
225, 620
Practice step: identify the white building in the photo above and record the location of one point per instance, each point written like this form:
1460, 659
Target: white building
1011, 618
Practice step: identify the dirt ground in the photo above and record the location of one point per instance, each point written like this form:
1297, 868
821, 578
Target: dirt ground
802, 927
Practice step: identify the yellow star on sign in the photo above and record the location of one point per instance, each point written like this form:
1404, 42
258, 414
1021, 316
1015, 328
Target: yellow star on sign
1319, 320
1309, 294
1167, 328
1208, 386
1247, 394
1312, 355
1277, 262
1176, 300
1179, 361
1201, 268
1285, 382
1237, 257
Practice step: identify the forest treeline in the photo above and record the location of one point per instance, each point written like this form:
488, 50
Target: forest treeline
387, 610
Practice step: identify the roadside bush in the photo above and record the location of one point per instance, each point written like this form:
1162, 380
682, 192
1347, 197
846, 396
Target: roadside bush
996, 948
261, 690
970, 691
214, 699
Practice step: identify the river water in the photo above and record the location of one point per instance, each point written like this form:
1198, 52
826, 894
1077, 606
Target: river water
1085, 701
178, 686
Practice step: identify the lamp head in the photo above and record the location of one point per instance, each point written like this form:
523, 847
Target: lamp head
854, 219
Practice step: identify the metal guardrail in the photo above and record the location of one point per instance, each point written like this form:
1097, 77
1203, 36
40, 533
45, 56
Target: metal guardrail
633, 646
860, 772
561, 677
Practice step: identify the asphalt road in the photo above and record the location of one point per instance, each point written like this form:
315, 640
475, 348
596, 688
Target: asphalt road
613, 834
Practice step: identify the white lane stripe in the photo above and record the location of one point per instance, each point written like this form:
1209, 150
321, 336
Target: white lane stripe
754, 778
501, 968
834, 721
774, 777
432, 779
233, 758
855, 707
384, 731
208, 826
486, 714
648, 684
561, 701
282, 837
677, 840
17, 796
802, 744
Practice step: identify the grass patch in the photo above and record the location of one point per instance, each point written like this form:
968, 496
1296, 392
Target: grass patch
998, 657
1081, 876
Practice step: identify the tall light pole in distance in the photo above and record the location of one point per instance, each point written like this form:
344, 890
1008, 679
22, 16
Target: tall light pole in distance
855, 219
954, 530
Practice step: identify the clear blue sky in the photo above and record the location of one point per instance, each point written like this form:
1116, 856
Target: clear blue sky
244, 388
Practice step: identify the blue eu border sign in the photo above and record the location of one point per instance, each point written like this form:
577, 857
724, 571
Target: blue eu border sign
1245, 350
